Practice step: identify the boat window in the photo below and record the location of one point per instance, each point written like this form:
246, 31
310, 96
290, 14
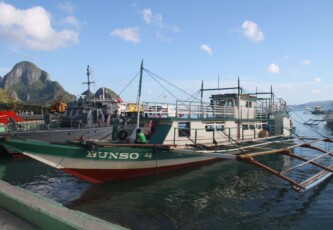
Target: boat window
248, 104
79, 111
209, 128
219, 127
252, 127
67, 112
236, 103
245, 127
74, 112
258, 126
184, 129
230, 103
220, 102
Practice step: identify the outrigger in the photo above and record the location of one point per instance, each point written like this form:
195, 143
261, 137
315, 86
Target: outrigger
313, 121
247, 154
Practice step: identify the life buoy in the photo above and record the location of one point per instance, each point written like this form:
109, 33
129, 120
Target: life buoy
122, 135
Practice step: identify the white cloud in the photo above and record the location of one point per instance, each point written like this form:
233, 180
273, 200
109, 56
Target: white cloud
252, 31
156, 20
127, 34
66, 6
207, 49
316, 91
175, 29
160, 36
147, 15
152, 19
317, 79
71, 20
31, 28
273, 68
306, 62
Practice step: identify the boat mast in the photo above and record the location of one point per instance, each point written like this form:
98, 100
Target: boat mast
88, 75
201, 102
238, 108
139, 96
272, 101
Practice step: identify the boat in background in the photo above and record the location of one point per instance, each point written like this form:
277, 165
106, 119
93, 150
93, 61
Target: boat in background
318, 110
79, 121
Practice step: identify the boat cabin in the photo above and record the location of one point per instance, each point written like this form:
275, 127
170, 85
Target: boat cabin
227, 106
226, 118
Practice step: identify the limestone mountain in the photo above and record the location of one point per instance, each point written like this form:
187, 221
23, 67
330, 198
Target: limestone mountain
101, 94
31, 84
5, 97
108, 93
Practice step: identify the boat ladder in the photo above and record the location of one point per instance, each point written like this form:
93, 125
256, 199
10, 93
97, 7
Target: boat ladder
320, 169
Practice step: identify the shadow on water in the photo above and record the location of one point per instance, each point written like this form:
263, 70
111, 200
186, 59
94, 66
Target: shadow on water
222, 195
42, 179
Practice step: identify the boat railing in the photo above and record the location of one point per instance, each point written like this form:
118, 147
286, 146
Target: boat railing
190, 109
261, 113
271, 106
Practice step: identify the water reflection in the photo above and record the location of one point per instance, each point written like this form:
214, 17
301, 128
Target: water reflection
42, 179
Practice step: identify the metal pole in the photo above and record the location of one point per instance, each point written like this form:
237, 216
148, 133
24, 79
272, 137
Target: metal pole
139, 96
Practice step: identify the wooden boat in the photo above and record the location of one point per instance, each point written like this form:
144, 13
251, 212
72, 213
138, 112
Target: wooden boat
237, 126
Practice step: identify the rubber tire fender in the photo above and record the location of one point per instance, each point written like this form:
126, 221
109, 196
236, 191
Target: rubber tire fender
122, 135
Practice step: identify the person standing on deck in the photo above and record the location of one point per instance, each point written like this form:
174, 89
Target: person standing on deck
140, 137
106, 118
100, 119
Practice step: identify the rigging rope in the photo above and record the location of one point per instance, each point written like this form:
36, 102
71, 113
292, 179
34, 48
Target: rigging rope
151, 73
128, 83
309, 127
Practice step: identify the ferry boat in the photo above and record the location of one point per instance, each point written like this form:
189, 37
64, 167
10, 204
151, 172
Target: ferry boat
232, 125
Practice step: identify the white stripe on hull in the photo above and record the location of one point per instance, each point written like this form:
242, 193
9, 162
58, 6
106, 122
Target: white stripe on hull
79, 163
56, 135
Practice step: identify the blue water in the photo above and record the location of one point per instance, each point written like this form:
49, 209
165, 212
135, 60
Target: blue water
223, 195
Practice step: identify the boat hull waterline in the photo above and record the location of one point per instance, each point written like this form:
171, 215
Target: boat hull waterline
100, 164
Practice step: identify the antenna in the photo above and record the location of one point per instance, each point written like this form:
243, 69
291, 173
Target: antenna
88, 75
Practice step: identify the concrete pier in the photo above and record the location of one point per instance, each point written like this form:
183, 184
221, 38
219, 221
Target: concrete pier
20, 207
9, 221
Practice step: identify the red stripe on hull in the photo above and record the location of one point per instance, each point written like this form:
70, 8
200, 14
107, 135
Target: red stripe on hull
102, 175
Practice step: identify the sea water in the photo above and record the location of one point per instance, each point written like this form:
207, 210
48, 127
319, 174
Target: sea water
222, 195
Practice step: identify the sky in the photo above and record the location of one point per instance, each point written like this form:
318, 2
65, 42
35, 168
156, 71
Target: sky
280, 43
